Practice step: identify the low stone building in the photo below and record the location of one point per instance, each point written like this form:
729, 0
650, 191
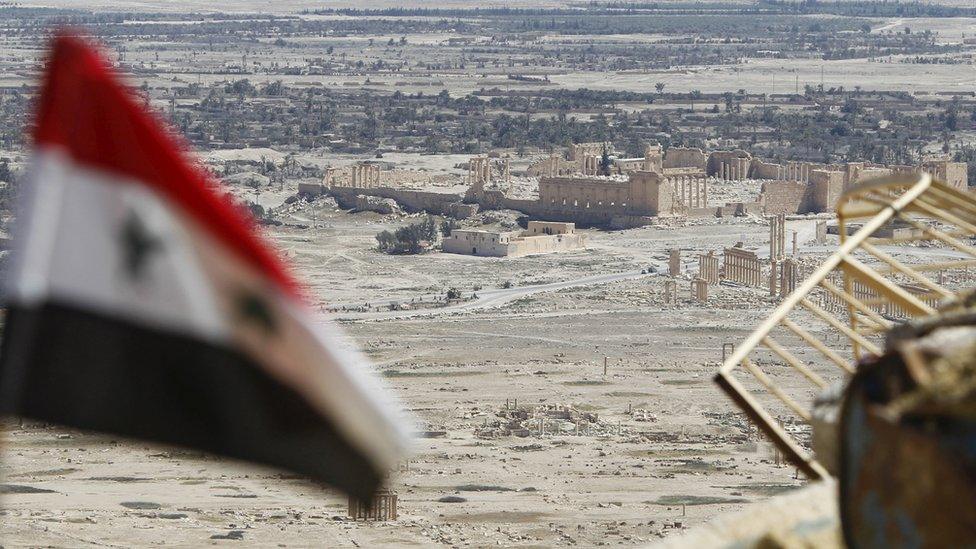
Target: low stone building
541, 237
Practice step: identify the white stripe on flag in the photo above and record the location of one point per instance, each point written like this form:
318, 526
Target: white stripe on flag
75, 245
188, 283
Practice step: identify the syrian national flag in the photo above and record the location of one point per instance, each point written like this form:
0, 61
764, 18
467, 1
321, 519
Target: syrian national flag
142, 303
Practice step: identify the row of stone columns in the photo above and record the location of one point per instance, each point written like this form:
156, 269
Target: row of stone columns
708, 267
590, 164
691, 191
795, 171
734, 169
553, 165
479, 170
329, 178
365, 176
743, 267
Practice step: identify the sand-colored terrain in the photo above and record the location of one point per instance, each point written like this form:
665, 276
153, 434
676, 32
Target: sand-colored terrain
665, 451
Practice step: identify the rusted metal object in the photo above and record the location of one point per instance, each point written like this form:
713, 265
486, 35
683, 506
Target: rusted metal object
908, 442
850, 302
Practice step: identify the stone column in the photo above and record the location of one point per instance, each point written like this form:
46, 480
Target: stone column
699, 290
674, 262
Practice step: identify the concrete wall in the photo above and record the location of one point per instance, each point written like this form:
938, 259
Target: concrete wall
483, 243
536, 228
510, 244
530, 245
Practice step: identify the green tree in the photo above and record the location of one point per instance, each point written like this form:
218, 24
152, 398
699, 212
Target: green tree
605, 162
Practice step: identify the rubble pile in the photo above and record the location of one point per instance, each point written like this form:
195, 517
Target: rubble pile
545, 420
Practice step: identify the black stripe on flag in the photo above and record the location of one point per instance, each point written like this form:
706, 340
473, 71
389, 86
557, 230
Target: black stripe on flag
70, 366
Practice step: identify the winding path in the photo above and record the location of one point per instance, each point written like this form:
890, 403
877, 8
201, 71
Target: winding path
490, 298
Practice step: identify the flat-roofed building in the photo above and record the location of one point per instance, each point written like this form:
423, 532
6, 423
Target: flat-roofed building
541, 237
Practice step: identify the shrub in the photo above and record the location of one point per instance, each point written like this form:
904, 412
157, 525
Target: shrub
412, 239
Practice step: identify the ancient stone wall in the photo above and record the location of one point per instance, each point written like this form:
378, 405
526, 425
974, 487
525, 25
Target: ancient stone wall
626, 165
653, 159
782, 197
312, 189
954, 174
578, 151
824, 188
766, 170
578, 193
551, 166
729, 164
409, 200
651, 194
460, 210
677, 157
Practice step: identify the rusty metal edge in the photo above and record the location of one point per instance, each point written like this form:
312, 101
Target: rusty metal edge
743, 403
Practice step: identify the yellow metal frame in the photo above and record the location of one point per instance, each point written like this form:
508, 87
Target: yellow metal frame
933, 212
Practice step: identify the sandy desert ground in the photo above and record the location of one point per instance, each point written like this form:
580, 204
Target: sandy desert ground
624, 482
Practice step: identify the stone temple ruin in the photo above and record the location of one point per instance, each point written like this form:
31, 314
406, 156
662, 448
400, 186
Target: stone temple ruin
637, 191
675, 184
547, 419
739, 266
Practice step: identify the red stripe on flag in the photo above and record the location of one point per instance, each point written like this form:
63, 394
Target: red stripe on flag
86, 110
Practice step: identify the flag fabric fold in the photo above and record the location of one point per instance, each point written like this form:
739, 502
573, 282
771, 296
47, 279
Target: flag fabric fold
142, 302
